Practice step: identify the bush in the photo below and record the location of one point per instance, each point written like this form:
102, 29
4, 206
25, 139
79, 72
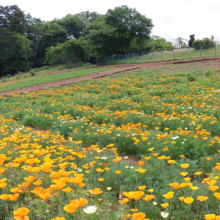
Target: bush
196, 44
205, 43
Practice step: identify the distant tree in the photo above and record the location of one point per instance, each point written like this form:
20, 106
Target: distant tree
128, 25
157, 43
180, 42
205, 43
192, 38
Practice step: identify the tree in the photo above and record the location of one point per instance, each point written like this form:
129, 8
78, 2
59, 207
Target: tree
157, 43
205, 43
101, 37
75, 24
71, 51
16, 57
35, 33
180, 42
192, 38
128, 25
15, 49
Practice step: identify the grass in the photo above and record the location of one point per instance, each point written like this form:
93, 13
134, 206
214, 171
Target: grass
178, 54
18, 84
149, 142
41, 70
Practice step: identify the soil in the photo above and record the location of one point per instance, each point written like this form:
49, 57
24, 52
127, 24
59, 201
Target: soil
162, 67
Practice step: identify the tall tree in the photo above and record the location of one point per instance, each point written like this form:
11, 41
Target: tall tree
129, 25
15, 48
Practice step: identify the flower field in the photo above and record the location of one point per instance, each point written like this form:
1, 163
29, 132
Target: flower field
138, 145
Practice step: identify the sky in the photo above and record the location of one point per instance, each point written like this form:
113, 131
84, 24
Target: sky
171, 18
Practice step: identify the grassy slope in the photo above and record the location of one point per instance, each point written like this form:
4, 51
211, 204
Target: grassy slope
47, 78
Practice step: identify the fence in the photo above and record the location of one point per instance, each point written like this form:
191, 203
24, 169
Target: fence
175, 54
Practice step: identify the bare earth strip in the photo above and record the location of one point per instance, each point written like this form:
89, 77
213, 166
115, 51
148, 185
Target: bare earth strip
118, 69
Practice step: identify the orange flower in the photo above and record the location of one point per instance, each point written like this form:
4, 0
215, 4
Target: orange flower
213, 188
174, 185
59, 185
147, 158
202, 198
4, 197
136, 195
188, 200
117, 159
148, 197
14, 197
123, 201
141, 163
181, 199
183, 174
99, 170
141, 187
165, 205
96, 191
138, 216
68, 189
184, 166
71, 208
21, 212
210, 217
198, 173
187, 179
3, 185
217, 195
169, 195
45, 196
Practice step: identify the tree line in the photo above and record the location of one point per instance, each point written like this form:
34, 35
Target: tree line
27, 42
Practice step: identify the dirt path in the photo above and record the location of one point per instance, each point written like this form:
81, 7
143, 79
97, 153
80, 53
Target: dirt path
118, 69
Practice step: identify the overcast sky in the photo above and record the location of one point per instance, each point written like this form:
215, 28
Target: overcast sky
171, 18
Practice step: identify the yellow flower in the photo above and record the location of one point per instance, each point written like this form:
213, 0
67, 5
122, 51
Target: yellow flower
183, 174
165, 205
188, 200
71, 208
202, 198
181, 199
118, 172
141, 187
184, 166
194, 187
100, 179
96, 191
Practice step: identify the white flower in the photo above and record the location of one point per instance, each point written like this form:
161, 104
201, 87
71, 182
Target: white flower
174, 138
109, 188
90, 209
103, 158
164, 214
126, 157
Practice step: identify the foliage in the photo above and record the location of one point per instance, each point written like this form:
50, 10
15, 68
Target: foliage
129, 24
71, 51
192, 38
157, 43
205, 43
